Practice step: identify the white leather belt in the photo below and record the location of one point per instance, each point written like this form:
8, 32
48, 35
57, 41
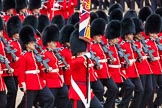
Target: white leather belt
156, 58
115, 66
54, 70
132, 60
91, 65
1, 72
103, 60
32, 72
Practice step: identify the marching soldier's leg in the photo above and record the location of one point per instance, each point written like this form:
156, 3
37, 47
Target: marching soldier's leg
138, 93
148, 90
11, 93
158, 100
128, 87
46, 98
147, 3
112, 2
95, 103
111, 93
141, 3
98, 89
132, 4
29, 98
3, 99
63, 100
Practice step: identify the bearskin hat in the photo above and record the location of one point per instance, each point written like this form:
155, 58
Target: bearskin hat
113, 29
1, 5
74, 18
43, 21
32, 21
8, 4
59, 21
77, 45
34, 4
50, 33
159, 11
26, 35
20, 4
66, 32
138, 25
1, 24
115, 6
144, 13
98, 27
93, 16
102, 14
13, 25
116, 14
127, 27
153, 24
130, 14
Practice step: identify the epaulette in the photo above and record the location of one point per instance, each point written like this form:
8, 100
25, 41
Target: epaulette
24, 52
122, 43
146, 40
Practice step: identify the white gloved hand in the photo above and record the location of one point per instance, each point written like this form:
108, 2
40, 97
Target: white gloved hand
88, 55
23, 88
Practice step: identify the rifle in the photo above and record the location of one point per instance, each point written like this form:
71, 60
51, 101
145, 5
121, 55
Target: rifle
38, 47
122, 54
107, 51
94, 58
8, 49
146, 50
134, 47
39, 59
159, 45
59, 57
5, 61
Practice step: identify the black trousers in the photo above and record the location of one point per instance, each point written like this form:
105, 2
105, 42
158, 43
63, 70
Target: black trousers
95, 103
11, 91
3, 99
148, 90
138, 93
61, 97
128, 88
98, 89
157, 79
45, 96
111, 93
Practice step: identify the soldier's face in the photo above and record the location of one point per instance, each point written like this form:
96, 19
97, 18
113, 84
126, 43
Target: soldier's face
114, 41
16, 36
10, 11
153, 35
51, 45
138, 36
30, 45
23, 11
1, 33
129, 37
97, 38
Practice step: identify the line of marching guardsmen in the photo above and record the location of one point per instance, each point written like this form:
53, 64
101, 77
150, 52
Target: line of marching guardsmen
46, 59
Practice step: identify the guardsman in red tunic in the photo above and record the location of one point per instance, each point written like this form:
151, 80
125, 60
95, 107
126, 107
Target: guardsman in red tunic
53, 77
21, 8
34, 7
112, 34
127, 31
152, 28
13, 28
66, 51
79, 90
97, 31
9, 9
30, 81
143, 65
